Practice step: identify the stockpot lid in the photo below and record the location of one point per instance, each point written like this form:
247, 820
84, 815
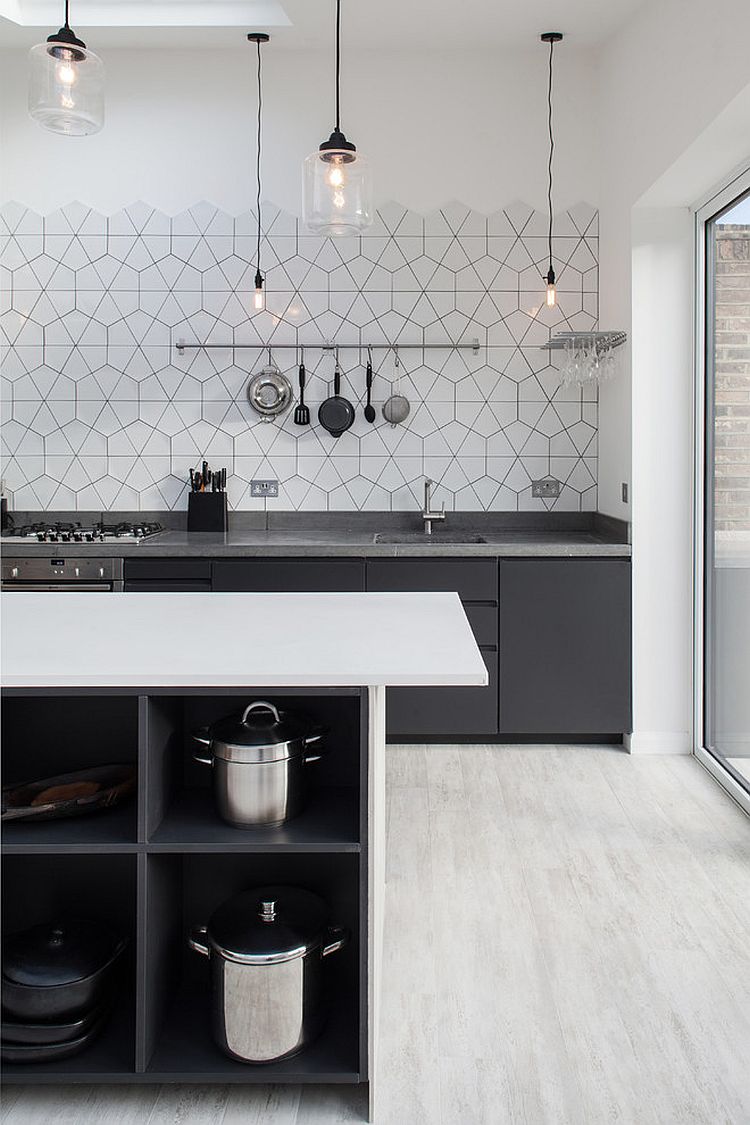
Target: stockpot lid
261, 734
59, 952
268, 925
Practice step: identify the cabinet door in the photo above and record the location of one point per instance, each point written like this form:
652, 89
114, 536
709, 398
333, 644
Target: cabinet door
175, 575
290, 576
436, 714
565, 647
443, 713
475, 580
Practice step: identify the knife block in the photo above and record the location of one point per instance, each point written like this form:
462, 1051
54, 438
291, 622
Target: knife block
207, 511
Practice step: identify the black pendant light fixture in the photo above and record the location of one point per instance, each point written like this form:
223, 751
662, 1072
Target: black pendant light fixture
337, 188
66, 84
258, 37
550, 37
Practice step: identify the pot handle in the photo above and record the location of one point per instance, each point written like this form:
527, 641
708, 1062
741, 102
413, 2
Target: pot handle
197, 941
202, 738
266, 707
340, 938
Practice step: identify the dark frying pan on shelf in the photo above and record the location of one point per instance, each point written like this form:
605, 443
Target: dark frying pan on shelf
336, 414
68, 794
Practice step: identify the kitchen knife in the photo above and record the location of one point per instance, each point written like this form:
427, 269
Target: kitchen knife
205, 474
192, 480
223, 480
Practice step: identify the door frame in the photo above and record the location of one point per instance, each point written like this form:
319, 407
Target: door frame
717, 201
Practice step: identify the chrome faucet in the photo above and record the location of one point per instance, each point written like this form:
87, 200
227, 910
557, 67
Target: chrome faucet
429, 516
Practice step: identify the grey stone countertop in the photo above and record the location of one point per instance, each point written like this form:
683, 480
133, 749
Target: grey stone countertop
561, 537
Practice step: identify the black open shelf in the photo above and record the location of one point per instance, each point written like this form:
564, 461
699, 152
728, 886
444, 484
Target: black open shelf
185, 1050
330, 823
47, 735
108, 830
163, 860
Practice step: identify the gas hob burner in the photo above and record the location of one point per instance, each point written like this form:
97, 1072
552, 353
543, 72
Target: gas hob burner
77, 533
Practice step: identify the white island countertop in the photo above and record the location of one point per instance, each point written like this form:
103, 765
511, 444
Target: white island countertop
237, 640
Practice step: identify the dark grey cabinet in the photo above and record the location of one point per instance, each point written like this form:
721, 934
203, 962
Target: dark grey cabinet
565, 646
554, 634
445, 713
278, 576
169, 575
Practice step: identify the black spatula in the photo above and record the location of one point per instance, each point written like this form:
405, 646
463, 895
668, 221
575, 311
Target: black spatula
302, 412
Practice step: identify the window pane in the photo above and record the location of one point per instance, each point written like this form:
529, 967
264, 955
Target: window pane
728, 488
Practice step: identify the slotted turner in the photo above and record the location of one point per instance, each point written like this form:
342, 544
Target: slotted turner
302, 412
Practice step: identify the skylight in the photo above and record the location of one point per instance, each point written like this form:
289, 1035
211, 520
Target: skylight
149, 13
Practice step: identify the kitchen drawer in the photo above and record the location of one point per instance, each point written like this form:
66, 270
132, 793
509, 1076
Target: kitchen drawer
321, 575
441, 713
475, 580
166, 574
483, 621
168, 587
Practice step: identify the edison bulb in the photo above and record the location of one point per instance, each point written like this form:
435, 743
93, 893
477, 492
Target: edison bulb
258, 299
551, 296
336, 176
66, 73
339, 199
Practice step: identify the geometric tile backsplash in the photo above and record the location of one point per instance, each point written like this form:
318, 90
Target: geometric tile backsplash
100, 412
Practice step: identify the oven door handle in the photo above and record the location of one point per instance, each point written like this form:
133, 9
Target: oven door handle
67, 587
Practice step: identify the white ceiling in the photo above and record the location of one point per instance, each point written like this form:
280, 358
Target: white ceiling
299, 24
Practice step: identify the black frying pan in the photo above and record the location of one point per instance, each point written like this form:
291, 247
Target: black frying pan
336, 414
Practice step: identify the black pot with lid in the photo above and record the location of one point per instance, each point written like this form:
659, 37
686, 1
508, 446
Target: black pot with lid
58, 969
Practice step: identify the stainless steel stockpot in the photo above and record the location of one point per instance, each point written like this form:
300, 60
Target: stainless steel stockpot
259, 764
266, 949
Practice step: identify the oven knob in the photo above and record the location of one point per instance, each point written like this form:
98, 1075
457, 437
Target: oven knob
78, 572
101, 571
14, 572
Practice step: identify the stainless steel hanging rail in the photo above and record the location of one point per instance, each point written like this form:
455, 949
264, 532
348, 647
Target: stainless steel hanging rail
327, 346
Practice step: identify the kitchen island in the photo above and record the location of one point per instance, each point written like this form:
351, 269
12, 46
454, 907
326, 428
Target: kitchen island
130, 678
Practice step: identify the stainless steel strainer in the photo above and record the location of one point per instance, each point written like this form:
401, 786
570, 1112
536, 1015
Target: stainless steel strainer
396, 408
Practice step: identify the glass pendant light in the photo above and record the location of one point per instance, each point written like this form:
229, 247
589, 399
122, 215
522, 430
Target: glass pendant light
337, 188
259, 302
66, 84
550, 37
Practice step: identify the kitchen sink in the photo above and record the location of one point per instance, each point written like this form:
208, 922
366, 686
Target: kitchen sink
436, 537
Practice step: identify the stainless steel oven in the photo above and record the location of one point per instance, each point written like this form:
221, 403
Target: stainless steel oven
62, 573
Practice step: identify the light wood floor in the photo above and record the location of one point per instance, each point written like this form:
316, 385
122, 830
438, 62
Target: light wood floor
568, 941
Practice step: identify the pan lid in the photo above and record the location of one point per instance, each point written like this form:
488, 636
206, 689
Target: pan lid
61, 951
261, 734
268, 924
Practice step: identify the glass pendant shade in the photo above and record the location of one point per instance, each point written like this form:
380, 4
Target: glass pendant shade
337, 192
66, 87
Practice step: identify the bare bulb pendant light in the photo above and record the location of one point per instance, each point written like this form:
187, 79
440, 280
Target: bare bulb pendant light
258, 37
337, 188
550, 37
66, 84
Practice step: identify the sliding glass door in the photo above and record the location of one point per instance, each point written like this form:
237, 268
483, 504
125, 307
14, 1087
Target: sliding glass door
726, 492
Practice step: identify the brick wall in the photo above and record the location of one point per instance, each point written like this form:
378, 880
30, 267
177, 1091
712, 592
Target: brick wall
732, 434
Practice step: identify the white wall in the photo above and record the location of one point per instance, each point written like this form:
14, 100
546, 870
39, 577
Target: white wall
675, 119
663, 81
180, 127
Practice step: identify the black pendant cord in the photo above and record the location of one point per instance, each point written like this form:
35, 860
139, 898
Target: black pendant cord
258, 162
67, 21
338, 66
551, 151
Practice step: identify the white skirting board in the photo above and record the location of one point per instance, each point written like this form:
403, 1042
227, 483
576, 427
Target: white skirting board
658, 742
